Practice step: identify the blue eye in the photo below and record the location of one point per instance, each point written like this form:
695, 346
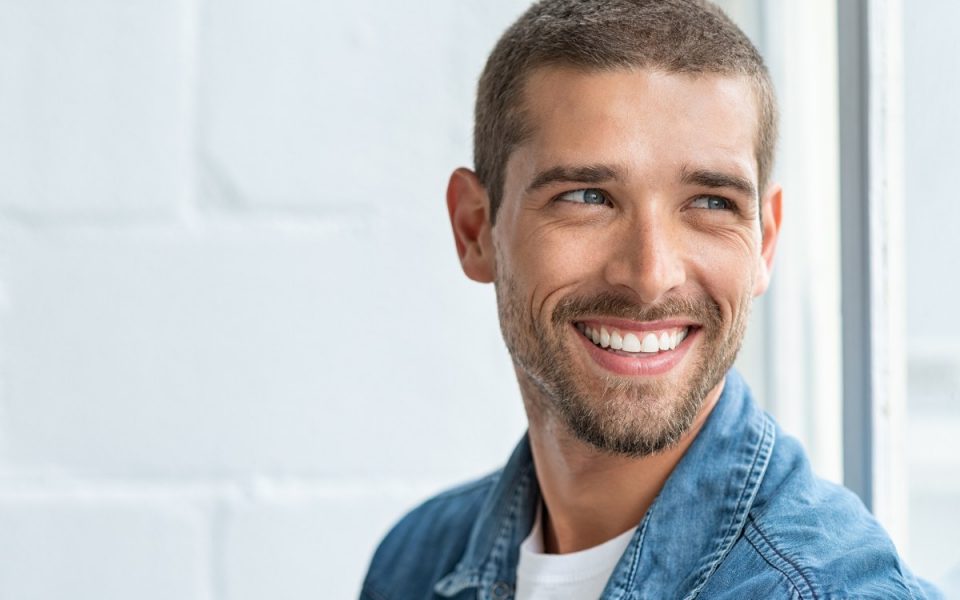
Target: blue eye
585, 196
712, 203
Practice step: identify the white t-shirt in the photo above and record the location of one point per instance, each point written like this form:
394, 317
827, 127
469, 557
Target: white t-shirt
575, 576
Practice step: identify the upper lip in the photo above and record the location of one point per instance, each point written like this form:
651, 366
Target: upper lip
628, 325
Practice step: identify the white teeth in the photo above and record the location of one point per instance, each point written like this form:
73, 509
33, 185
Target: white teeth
616, 342
631, 343
650, 343
664, 341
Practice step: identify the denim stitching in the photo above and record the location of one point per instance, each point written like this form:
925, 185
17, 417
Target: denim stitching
796, 567
474, 571
776, 568
370, 592
501, 544
763, 447
625, 589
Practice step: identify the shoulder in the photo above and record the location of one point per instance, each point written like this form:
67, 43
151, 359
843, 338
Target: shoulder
810, 538
427, 543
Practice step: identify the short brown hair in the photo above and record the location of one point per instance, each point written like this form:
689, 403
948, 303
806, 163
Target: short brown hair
677, 36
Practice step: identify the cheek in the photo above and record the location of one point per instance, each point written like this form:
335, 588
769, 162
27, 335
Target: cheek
733, 252
726, 268
554, 260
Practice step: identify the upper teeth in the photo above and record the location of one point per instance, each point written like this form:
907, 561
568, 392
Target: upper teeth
652, 341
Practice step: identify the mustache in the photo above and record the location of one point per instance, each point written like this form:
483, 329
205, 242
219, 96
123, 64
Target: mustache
608, 304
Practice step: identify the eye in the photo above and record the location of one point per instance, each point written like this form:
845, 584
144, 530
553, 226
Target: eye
712, 203
584, 196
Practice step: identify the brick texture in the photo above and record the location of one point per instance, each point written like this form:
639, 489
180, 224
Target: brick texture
100, 548
94, 110
235, 341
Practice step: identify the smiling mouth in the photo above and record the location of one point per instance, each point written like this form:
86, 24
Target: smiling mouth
637, 343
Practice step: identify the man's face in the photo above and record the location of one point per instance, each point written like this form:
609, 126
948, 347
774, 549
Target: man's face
628, 247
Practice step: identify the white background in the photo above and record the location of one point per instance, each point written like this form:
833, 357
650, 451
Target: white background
235, 342
932, 129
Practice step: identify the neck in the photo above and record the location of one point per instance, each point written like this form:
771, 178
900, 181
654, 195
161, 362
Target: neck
591, 496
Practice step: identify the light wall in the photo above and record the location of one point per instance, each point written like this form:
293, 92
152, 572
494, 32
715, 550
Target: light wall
235, 342
932, 128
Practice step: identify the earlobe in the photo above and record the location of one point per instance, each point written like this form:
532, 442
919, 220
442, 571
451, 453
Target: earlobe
469, 206
772, 205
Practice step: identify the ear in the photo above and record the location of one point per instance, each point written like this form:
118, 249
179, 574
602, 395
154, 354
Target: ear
771, 209
469, 208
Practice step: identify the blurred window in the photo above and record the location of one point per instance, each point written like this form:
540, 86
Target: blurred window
932, 216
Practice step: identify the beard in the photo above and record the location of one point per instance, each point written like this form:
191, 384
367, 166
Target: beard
616, 414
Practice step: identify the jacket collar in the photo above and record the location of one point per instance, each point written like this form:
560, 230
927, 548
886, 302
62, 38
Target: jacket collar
689, 528
505, 519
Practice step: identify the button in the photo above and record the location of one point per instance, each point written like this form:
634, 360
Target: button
502, 590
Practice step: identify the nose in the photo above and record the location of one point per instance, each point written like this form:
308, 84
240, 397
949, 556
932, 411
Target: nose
647, 258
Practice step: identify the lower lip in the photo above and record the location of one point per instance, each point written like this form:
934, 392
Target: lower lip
642, 365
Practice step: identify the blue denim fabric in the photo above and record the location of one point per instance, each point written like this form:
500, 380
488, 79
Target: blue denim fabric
741, 517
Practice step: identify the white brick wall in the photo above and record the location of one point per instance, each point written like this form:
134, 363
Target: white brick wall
94, 117
102, 547
235, 343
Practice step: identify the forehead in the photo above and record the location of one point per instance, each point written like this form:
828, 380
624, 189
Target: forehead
651, 122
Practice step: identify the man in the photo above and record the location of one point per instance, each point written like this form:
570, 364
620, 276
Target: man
622, 207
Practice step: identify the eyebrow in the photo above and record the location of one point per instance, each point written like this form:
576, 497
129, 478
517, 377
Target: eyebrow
575, 174
602, 173
718, 179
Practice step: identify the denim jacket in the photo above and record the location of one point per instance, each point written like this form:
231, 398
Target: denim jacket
741, 517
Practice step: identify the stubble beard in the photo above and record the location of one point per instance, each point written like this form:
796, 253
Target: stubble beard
619, 415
